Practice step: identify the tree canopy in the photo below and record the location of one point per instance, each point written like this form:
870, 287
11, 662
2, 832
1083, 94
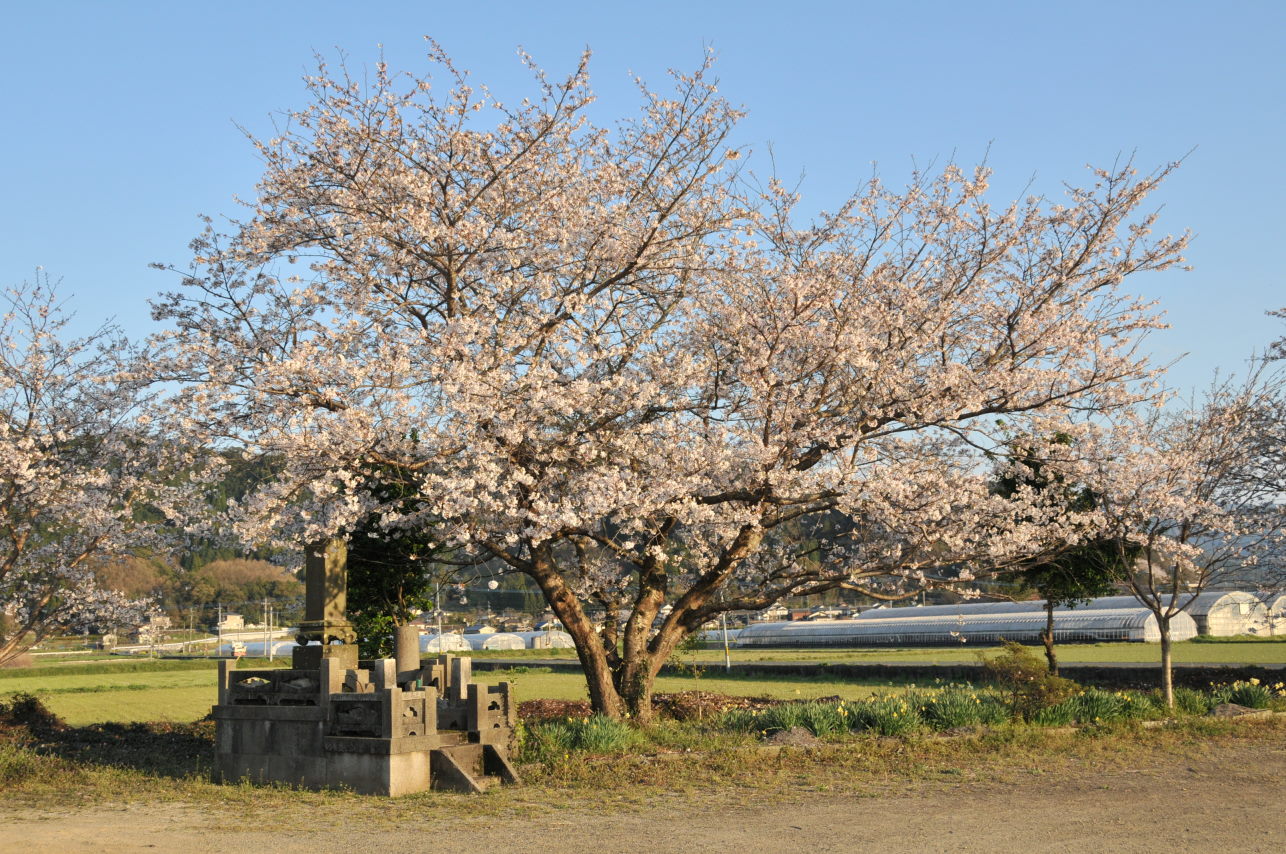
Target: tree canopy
612, 359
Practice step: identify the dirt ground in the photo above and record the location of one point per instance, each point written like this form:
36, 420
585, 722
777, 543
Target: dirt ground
1231, 799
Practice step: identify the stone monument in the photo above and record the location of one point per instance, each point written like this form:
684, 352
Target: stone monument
326, 608
381, 727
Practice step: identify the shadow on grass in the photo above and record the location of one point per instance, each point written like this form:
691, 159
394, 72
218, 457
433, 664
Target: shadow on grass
160, 749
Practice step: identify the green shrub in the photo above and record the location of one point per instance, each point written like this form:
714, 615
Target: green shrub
18, 765
26, 710
781, 716
739, 720
1189, 701
1094, 705
1026, 681
1061, 714
823, 719
600, 734
548, 741
886, 715
819, 718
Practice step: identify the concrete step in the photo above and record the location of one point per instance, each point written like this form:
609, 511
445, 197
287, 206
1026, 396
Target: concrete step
470, 768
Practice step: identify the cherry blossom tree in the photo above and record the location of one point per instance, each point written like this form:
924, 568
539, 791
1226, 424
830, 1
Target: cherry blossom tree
1197, 497
80, 466
616, 364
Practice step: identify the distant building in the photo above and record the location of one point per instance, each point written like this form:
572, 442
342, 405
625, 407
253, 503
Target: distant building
772, 613
152, 630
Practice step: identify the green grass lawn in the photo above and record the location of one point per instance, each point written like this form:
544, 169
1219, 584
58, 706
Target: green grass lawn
162, 703
185, 695
1193, 652
141, 690
125, 691
571, 686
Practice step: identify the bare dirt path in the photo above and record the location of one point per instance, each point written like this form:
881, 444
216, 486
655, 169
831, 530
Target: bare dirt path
1229, 799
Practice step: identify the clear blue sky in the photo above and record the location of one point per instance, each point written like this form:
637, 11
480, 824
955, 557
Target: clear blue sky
119, 121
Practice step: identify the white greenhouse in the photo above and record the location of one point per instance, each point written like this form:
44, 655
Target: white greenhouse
1083, 625
1217, 612
1275, 612
552, 639
261, 649
966, 608
495, 640
713, 638
449, 642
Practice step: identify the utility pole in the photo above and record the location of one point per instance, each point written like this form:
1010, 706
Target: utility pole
727, 656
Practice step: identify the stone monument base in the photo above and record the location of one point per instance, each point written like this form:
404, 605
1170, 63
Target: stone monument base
356, 728
310, 657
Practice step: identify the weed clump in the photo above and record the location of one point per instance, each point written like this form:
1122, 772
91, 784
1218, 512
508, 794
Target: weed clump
961, 707
552, 740
19, 765
1252, 694
26, 712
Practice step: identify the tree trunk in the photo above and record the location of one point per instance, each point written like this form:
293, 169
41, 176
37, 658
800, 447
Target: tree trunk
635, 688
1167, 670
599, 678
1047, 638
638, 673
603, 696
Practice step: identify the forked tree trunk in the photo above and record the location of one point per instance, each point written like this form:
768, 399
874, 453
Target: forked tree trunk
620, 686
620, 691
1047, 638
637, 674
620, 681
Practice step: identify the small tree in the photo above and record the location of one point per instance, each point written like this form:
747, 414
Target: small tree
1074, 577
1076, 571
82, 462
394, 574
1030, 688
